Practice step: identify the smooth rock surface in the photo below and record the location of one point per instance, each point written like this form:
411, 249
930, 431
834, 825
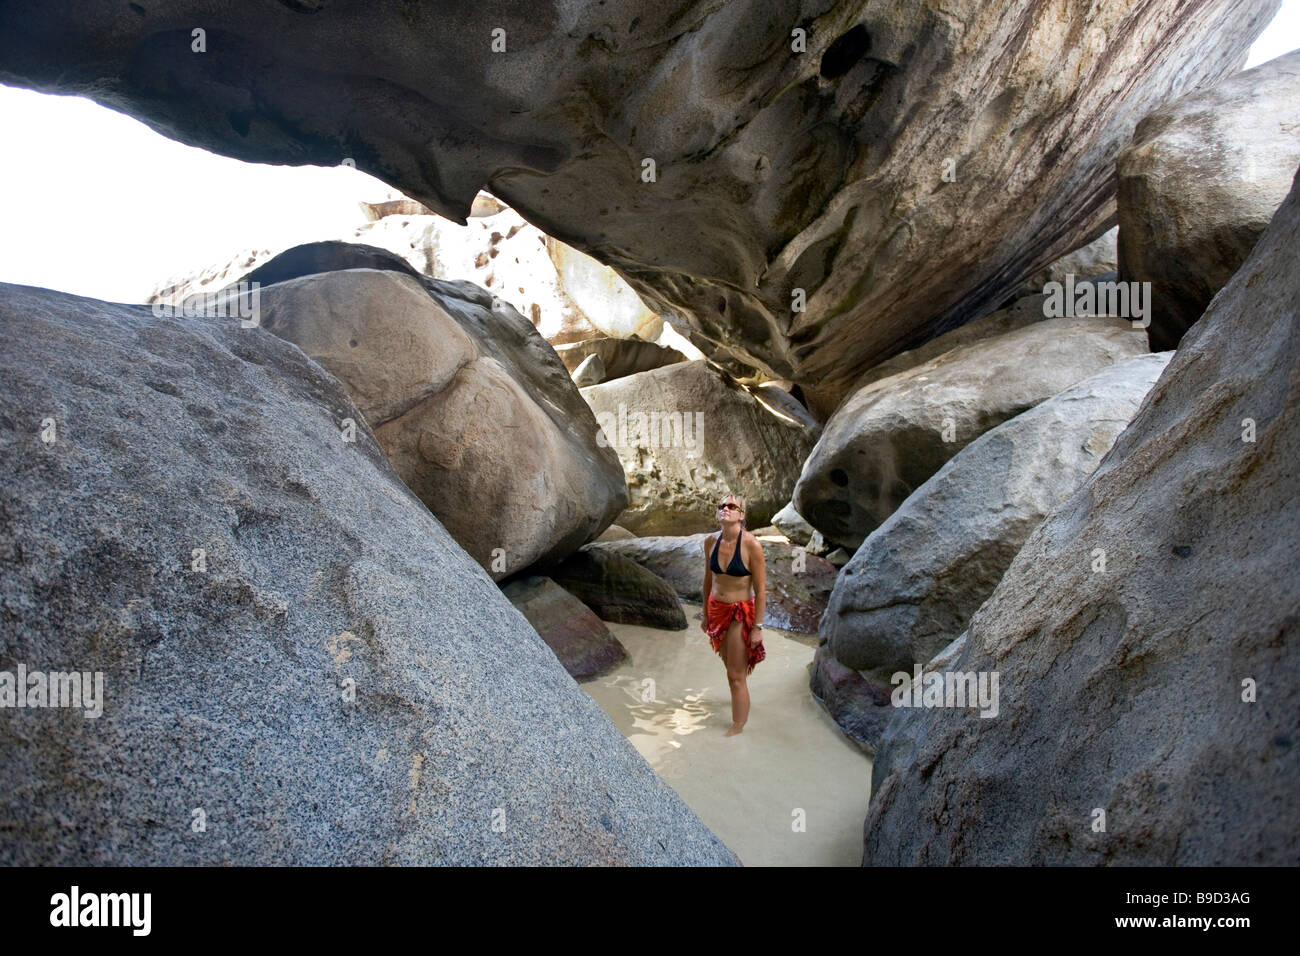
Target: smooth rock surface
893, 740
473, 409
839, 557
1199, 184
1129, 689
580, 639
892, 435
227, 673
906, 164
912, 586
785, 405
1020, 313
311, 258
862, 705
606, 301
859, 705
618, 589
793, 526
687, 436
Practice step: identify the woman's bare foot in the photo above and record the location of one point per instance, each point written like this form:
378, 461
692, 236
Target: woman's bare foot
735, 729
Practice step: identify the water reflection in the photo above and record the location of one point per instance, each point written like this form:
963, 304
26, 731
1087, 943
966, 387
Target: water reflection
679, 715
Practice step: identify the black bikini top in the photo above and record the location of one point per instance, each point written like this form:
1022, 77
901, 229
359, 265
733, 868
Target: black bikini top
736, 568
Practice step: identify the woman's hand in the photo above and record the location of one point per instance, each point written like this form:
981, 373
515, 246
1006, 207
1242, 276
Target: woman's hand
756, 634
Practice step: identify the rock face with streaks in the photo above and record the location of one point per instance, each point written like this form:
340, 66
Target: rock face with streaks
1199, 184
893, 434
900, 164
1098, 258
1144, 636
1022, 312
471, 405
687, 436
618, 357
288, 639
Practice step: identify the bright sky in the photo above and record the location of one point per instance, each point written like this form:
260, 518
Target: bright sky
97, 204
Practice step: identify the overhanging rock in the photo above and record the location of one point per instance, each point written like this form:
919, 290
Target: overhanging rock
905, 164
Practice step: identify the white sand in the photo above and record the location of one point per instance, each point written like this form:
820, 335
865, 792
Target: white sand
749, 788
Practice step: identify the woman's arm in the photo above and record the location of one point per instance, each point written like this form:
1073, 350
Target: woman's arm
708, 585
758, 570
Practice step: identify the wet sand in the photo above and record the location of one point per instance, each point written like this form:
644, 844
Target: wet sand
749, 788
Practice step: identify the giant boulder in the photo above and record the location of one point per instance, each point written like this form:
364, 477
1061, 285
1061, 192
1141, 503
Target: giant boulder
1145, 636
1199, 184
912, 586
289, 641
620, 590
471, 405
687, 436
891, 435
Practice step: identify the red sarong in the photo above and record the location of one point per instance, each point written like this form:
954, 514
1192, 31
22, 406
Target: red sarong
720, 614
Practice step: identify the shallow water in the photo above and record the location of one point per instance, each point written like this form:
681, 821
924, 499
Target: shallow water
791, 764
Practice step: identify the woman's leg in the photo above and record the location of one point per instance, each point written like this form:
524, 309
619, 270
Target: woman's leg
737, 658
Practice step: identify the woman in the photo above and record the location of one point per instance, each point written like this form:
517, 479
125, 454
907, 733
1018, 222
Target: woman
735, 577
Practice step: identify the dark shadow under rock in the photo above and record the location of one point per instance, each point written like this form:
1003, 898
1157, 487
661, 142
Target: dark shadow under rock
578, 637
860, 707
620, 590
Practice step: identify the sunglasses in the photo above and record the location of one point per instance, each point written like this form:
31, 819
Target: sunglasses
728, 504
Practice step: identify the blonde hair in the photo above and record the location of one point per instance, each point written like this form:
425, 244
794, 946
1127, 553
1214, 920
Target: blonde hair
740, 500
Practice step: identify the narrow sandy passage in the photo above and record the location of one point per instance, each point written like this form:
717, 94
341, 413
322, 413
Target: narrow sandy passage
790, 790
